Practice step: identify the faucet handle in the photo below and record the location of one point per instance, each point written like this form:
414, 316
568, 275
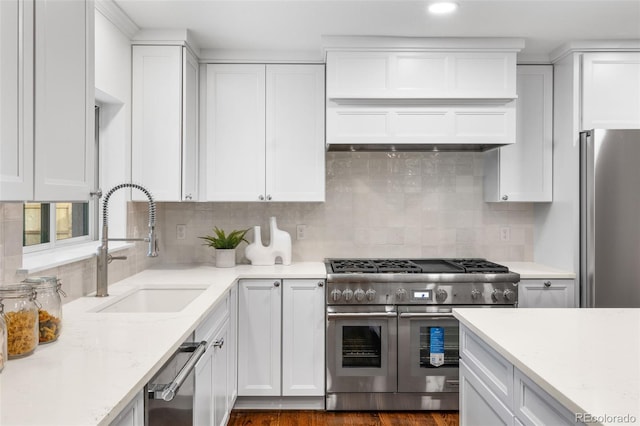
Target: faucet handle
111, 258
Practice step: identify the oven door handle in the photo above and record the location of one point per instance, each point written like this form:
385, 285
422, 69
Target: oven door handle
430, 315
336, 315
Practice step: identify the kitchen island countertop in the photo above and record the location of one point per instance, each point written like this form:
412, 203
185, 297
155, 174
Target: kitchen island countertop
101, 360
587, 359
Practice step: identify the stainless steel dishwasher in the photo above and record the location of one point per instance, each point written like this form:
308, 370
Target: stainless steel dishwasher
169, 394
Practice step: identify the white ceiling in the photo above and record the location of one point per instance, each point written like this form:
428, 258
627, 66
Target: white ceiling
284, 26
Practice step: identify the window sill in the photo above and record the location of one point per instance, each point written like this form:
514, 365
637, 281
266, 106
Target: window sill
47, 259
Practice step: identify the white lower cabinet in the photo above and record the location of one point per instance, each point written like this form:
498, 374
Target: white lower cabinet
132, 414
546, 293
212, 400
517, 400
281, 337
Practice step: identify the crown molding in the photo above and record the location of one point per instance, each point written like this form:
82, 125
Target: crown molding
626, 45
117, 17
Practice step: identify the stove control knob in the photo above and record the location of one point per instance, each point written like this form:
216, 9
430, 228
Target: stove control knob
496, 295
401, 294
347, 294
335, 295
441, 295
509, 295
359, 295
371, 294
475, 294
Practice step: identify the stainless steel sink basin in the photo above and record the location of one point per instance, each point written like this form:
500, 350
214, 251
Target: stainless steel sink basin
152, 299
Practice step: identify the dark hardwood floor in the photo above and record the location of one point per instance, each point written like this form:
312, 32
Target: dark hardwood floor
339, 418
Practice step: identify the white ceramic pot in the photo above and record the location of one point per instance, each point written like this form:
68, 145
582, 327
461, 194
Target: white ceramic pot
225, 258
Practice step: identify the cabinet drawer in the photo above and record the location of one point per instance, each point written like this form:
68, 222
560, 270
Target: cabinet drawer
478, 404
534, 407
546, 293
490, 366
212, 322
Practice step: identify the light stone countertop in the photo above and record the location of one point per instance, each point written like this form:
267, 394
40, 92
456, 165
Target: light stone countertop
532, 270
587, 359
101, 360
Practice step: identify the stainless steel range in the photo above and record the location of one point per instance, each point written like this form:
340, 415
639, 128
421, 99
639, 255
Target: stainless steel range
392, 341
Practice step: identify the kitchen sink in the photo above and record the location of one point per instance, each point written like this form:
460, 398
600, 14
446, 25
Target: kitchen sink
152, 299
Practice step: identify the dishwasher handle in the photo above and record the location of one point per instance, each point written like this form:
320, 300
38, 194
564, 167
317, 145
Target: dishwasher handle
168, 391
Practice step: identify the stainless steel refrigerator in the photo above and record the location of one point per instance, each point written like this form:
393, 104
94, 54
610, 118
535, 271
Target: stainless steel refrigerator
610, 218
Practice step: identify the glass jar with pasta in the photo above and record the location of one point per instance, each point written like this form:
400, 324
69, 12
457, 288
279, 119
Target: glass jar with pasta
3, 338
48, 292
21, 317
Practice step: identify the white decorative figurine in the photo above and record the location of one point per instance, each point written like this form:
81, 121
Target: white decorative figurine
279, 246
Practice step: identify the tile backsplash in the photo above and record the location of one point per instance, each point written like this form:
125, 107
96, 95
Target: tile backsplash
377, 205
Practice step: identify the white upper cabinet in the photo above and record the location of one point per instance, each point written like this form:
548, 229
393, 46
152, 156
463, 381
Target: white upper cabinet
611, 90
263, 133
164, 123
64, 100
16, 94
421, 75
523, 171
46, 100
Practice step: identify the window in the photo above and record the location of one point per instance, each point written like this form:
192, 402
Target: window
46, 224
49, 225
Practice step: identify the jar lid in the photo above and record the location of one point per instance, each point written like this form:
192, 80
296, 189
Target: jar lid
8, 291
40, 282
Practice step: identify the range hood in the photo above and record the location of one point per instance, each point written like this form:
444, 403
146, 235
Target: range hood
400, 94
412, 147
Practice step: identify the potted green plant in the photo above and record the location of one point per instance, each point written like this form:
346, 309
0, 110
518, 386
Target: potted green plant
225, 245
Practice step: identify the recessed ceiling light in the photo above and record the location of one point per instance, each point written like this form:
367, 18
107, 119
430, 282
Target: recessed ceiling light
442, 7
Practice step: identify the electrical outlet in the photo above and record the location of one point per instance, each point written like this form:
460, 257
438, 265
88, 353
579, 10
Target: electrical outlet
505, 233
181, 232
301, 232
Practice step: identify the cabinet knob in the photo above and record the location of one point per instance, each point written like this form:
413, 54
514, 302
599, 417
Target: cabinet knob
188, 197
276, 283
547, 283
505, 197
320, 283
261, 197
268, 197
218, 343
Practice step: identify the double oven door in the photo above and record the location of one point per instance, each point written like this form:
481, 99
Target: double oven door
390, 349
361, 348
429, 341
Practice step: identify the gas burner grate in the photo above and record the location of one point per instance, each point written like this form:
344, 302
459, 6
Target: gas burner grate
479, 265
397, 266
374, 266
353, 265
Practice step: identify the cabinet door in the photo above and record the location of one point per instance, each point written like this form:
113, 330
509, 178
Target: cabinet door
232, 347
303, 327
64, 100
219, 378
259, 331
546, 294
295, 151
478, 405
189, 164
523, 171
16, 100
203, 396
132, 414
234, 133
156, 129
611, 90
